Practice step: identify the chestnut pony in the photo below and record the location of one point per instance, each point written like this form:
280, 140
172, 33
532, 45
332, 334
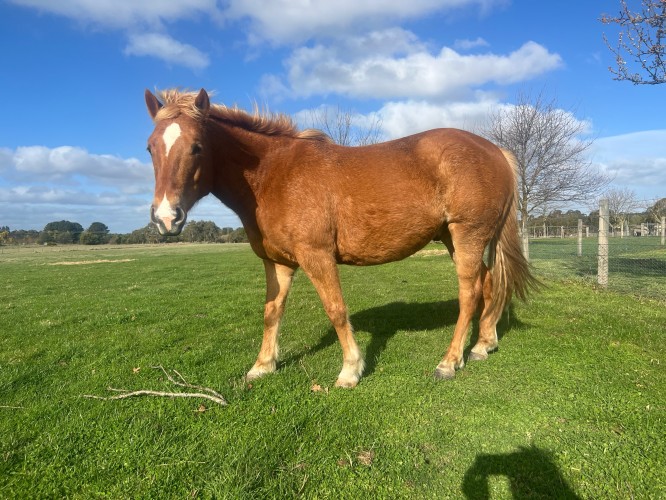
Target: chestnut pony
306, 202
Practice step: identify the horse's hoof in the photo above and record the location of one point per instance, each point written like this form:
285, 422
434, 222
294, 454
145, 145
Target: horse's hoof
444, 373
477, 356
346, 384
258, 372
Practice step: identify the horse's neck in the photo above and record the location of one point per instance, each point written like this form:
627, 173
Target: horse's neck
238, 168
237, 164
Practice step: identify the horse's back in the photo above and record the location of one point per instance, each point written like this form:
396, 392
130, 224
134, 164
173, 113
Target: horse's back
441, 174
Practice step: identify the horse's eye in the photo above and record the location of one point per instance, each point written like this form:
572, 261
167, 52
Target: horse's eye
196, 149
149, 150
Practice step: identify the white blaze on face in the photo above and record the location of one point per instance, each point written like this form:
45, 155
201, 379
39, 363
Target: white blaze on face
166, 213
171, 134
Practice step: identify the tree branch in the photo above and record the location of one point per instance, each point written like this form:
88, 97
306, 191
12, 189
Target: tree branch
641, 37
207, 393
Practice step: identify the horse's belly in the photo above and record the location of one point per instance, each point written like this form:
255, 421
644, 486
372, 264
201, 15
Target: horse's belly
385, 241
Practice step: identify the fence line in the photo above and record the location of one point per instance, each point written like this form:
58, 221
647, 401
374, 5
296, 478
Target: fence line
633, 262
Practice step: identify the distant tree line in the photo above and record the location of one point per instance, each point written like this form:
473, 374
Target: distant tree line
624, 208
621, 212
66, 233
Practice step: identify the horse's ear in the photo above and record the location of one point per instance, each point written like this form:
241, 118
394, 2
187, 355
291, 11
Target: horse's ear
152, 103
202, 102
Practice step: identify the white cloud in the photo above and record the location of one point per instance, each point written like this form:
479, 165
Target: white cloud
470, 44
58, 195
405, 69
32, 207
289, 21
6, 159
274, 21
39, 185
401, 118
44, 164
277, 21
636, 161
137, 17
123, 13
397, 119
166, 48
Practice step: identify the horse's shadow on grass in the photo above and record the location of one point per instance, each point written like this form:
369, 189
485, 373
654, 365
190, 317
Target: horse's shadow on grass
383, 322
531, 473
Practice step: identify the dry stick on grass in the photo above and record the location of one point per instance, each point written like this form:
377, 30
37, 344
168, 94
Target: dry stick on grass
207, 393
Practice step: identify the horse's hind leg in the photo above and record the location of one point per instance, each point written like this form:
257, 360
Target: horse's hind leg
468, 260
323, 272
278, 283
487, 341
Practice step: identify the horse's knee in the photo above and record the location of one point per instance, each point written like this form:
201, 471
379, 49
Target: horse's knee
337, 313
272, 314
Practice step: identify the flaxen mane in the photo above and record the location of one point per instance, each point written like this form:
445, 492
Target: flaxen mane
177, 102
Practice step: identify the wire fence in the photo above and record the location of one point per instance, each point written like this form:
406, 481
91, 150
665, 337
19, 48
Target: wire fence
632, 261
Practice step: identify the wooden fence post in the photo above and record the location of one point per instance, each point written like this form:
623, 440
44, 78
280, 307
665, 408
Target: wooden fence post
580, 237
602, 263
663, 230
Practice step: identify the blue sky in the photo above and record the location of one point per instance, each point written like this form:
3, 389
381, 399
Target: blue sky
74, 124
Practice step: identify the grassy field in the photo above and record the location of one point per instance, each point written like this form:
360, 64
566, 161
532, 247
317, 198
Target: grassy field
571, 406
636, 266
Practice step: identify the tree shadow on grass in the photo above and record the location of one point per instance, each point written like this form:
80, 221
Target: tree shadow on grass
383, 322
629, 266
531, 472
638, 267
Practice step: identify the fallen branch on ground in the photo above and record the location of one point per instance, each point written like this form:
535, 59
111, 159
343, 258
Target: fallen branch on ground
207, 393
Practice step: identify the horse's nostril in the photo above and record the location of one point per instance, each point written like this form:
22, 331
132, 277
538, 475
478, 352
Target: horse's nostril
180, 215
153, 217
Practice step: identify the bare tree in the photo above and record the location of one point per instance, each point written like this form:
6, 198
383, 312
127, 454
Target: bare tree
657, 210
641, 40
345, 127
621, 202
550, 147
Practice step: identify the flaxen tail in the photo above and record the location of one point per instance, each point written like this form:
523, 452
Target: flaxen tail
510, 271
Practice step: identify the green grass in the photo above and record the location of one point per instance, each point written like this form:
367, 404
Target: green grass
572, 404
636, 266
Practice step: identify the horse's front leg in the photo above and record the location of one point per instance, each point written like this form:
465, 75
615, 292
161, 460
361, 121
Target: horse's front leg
323, 272
278, 283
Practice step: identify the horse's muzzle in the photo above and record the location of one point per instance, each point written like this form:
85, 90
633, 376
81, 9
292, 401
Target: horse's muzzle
169, 226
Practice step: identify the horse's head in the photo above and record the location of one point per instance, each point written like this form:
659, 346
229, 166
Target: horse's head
179, 152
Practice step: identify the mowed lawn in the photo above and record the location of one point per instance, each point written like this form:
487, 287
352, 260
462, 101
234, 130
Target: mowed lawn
571, 405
